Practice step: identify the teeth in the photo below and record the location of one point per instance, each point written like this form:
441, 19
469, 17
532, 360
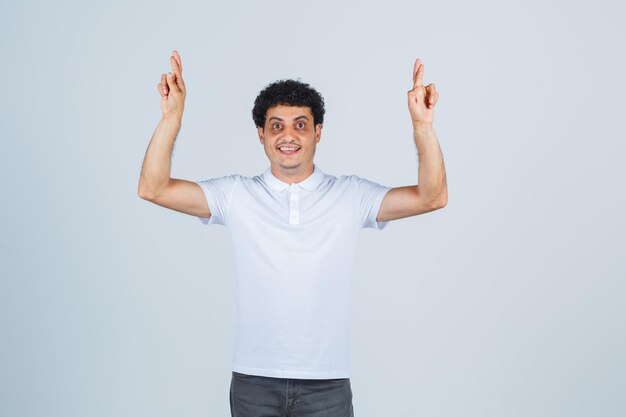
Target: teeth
288, 149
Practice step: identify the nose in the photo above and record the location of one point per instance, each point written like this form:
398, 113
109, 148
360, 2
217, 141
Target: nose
289, 131
288, 135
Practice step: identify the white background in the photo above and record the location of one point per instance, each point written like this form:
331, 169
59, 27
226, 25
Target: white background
507, 302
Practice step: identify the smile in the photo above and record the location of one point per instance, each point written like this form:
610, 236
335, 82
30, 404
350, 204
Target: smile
288, 150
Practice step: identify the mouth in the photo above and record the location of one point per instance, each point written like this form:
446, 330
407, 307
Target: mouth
288, 150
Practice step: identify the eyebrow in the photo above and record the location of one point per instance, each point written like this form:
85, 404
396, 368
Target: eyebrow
295, 118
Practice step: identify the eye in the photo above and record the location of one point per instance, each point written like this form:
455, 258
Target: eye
300, 125
276, 125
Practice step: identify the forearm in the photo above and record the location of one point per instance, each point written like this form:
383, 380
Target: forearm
431, 176
155, 171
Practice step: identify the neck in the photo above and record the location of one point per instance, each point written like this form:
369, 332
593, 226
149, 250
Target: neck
293, 175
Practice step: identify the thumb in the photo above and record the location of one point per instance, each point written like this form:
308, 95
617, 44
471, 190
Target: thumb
171, 83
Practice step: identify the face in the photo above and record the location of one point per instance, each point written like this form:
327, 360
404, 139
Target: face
290, 127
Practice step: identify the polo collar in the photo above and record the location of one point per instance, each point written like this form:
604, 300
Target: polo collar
310, 183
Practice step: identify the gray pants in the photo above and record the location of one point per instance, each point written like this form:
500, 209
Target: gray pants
261, 396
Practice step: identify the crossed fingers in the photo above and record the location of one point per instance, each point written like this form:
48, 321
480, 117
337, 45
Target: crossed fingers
176, 80
431, 94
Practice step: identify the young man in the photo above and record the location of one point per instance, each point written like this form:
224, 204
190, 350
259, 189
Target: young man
294, 231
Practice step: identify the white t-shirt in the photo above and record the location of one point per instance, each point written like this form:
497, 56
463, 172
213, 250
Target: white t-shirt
294, 247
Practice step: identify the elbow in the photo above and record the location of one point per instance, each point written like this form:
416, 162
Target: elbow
440, 202
431, 202
150, 193
443, 197
148, 190
437, 204
144, 193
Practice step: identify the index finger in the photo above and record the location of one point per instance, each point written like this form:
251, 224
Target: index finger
178, 61
418, 73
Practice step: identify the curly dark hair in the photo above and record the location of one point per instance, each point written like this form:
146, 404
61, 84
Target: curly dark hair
288, 93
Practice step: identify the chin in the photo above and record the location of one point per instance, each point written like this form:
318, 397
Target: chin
289, 165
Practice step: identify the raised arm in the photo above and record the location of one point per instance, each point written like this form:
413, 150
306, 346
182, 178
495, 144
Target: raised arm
155, 183
431, 191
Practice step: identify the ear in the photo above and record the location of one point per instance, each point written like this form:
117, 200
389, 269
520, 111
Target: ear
318, 133
261, 134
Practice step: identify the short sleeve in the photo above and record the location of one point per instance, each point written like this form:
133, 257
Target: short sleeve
370, 195
218, 192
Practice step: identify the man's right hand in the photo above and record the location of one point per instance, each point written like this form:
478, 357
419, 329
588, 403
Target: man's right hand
172, 90
155, 182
